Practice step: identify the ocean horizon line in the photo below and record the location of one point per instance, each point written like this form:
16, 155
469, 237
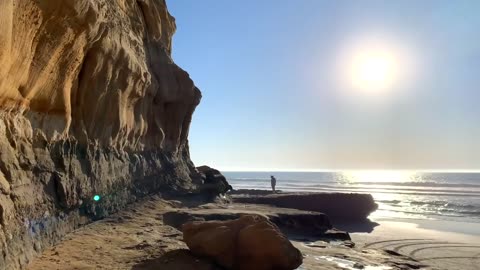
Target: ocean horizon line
351, 170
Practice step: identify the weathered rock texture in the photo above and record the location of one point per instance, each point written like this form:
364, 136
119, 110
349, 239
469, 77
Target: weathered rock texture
90, 103
337, 206
214, 182
290, 221
250, 242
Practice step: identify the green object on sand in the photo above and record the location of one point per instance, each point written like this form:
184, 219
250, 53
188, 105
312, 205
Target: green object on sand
96, 198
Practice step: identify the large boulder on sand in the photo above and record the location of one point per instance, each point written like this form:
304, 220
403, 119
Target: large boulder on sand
250, 242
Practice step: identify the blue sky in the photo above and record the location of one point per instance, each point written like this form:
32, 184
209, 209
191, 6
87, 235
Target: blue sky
271, 98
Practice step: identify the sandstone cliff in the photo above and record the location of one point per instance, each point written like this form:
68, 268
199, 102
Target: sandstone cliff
90, 103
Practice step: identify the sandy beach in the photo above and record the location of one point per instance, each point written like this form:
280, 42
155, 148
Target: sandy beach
142, 237
442, 244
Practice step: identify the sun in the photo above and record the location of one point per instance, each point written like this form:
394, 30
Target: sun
373, 71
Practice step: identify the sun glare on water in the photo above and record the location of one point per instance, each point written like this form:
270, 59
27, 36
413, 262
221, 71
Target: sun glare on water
378, 176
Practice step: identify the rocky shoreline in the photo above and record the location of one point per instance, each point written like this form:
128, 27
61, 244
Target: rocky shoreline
147, 235
215, 227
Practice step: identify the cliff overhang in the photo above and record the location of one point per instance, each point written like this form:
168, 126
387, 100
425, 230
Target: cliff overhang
91, 103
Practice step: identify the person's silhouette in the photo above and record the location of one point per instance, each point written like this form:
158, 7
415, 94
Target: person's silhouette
273, 182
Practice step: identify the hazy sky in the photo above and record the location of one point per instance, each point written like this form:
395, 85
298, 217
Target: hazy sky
273, 74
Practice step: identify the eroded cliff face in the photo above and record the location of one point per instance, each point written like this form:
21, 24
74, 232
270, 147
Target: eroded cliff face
90, 103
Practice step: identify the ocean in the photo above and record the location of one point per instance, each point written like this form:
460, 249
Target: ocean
399, 194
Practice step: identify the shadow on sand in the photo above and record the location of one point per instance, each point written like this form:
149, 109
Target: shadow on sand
180, 259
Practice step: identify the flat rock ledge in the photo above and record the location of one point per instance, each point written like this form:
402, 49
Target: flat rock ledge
293, 222
337, 206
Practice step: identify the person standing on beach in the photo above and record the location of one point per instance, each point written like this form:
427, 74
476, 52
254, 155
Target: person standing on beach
273, 182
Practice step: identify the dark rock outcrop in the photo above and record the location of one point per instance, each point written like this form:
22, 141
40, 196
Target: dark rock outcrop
91, 103
337, 206
213, 181
250, 242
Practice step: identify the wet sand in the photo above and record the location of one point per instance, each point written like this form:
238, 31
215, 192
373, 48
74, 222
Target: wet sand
442, 244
